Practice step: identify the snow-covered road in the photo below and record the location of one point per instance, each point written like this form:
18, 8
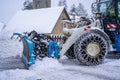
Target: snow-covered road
11, 67
11, 63
65, 69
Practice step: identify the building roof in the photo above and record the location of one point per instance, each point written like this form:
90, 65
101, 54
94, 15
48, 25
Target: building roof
41, 20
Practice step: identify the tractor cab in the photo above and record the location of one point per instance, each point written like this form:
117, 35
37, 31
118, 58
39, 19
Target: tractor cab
110, 13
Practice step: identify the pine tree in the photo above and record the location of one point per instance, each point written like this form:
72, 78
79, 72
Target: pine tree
63, 3
80, 11
73, 9
60, 3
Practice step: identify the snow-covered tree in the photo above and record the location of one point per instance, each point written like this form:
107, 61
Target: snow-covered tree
27, 5
80, 11
73, 9
60, 3
63, 3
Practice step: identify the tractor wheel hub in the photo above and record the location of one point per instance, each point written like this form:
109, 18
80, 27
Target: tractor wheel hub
93, 49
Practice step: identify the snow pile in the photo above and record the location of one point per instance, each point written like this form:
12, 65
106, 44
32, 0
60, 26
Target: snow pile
41, 20
41, 70
46, 65
19, 74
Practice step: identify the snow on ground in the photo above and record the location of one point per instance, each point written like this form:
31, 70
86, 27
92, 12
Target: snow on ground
65, 69
18, 74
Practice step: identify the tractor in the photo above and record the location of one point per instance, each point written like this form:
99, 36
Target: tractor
93, 42
89, 44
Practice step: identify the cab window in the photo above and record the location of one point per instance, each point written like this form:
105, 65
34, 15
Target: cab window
119, 9
102, 7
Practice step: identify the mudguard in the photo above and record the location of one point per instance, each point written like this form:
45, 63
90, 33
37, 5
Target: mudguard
28, 49
77, 32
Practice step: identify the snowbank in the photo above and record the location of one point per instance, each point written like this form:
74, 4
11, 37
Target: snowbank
41, 20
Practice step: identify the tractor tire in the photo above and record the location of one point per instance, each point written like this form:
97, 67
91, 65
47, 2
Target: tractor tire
70, 53
91, 48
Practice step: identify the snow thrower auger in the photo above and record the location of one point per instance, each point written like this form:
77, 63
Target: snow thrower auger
35, 45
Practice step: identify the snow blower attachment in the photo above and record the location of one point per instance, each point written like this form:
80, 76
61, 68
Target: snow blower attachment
89, 43
37, 46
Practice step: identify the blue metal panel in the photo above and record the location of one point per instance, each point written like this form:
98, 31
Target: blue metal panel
28, 60
31, 50
53, 49
117, 42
